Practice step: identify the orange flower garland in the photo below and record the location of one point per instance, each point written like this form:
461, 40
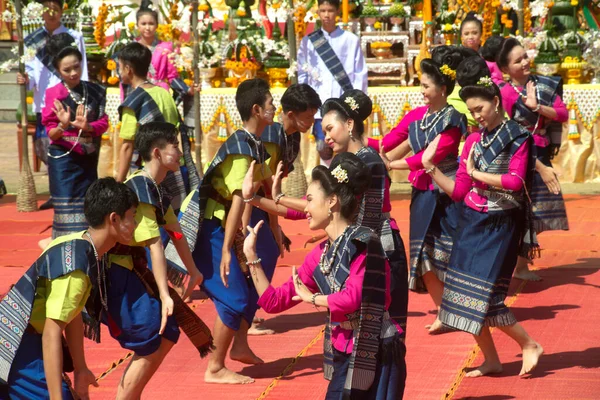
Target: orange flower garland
100, 25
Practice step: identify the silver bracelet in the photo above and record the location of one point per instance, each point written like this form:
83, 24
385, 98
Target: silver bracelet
430, 170
253, 263
250, 199
537, 108
314, 297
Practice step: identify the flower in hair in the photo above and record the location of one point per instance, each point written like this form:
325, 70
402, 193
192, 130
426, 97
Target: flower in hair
449, 72
73, 44
351, 103
340, 174
484, 81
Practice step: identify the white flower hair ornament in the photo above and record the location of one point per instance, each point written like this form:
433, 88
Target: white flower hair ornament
351, 103
340, 174
485, 81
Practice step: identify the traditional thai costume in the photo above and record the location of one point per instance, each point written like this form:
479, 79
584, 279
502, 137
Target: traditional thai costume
491, 227
144, 105
134, 306
43, 75
362, 343
66, 278
203, 216
73, 159
433, 214
549, 209
331, 63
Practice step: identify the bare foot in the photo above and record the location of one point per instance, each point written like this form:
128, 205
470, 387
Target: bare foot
531, 356
437, 328
245, 356
44, 243
487, 368
259, 330
258, 320
526, 275
226, 376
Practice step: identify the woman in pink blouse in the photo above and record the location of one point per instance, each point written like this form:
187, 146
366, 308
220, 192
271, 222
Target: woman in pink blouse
534, 102
432, 213
489, 51
495, 166
75, 121
349, 275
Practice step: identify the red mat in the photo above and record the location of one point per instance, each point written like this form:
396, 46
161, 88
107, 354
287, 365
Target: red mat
560, 312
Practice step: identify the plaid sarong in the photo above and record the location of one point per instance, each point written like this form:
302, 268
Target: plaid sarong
15, 308
331, 60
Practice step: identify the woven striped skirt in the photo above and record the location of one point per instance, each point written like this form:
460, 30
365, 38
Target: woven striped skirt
70, 176
482, 263
433, 219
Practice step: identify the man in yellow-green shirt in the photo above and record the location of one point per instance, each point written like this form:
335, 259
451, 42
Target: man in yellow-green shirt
48, 300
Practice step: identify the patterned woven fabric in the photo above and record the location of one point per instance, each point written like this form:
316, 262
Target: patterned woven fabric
331, 60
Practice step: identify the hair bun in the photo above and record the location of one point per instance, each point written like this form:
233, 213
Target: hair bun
358, 104
491, 48
471, 70
447, 55
359, 175
57, 43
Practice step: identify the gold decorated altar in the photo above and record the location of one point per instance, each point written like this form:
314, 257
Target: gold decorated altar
578, 160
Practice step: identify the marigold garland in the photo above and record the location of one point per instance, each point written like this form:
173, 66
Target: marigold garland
100, 25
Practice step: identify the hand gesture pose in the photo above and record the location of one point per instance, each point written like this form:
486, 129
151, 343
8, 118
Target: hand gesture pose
429, 153
81, 121
248, 184
276, 188
550, 178
63, 115
384, 157
470, 161
250, 241
302, 292
531, 99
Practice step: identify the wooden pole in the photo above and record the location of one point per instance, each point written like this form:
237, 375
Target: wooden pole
521, 18
26, 195
197, 115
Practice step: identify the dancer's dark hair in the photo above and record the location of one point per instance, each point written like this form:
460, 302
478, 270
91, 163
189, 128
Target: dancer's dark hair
335, 3
138, 57
299, 97
348, 193
146, 10
507, 46
60, 46
471, 17
491, 48
251, 92
441, 57
152, 135
469, 76
104, 197
355, 105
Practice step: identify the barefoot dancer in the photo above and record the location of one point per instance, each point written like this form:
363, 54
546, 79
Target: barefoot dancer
347, 274
494, 167
299, 103
433, 215
211, 218
534, 102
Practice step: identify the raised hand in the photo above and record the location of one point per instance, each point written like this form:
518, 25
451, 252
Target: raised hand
531, 100
430, 151
250, 241
470, 161
248, 184
276, 188
80, 118
63, 115
302, 292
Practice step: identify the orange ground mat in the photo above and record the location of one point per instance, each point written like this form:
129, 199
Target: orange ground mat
560, 312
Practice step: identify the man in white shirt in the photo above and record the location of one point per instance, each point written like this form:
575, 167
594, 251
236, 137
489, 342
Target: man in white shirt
41, 75
347, 70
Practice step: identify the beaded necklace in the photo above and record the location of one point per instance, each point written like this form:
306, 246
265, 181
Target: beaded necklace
72, 95
434, 121
160, 198
259, 149
487, 144
101, 265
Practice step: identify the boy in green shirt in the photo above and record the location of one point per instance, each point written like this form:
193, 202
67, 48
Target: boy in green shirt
48, 300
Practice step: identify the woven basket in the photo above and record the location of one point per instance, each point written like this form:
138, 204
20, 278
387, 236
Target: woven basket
295, 184
26, 195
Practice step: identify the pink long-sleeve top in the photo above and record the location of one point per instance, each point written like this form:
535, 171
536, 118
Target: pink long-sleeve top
449, 143
162, 63
495, 73
50, 120
513, 180
510, 97
342, 303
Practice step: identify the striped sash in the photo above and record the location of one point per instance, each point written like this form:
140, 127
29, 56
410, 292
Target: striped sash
331, 60
37, 40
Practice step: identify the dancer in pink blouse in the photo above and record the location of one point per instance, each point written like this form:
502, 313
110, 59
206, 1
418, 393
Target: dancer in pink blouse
534, 102
350, 276
433, 215
75, 120
495, 170
489, 51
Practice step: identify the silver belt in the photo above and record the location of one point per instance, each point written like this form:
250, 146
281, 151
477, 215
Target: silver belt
495, 193
80, 140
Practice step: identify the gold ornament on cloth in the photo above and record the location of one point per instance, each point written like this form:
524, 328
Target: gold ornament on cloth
340, 174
